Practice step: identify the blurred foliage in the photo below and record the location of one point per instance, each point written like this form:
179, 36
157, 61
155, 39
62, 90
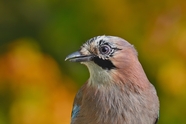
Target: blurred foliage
32, 88
37, 35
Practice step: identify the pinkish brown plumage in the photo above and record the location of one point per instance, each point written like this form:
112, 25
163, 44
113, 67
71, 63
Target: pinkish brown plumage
118, 91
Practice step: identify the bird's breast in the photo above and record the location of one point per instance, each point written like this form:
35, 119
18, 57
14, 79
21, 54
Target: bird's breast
113, 105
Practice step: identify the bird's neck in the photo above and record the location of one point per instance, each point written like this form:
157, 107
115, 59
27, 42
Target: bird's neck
132, 74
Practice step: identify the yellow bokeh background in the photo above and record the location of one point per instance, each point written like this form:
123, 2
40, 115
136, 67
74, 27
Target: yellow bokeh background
38, 87
34, 85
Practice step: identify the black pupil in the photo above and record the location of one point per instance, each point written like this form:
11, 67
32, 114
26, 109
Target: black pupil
104, 49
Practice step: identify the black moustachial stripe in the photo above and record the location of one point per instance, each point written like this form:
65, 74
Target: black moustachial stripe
105, 64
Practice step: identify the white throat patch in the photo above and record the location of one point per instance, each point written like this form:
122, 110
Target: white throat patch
98, 76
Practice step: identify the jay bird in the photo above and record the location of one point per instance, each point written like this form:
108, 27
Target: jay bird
118, 90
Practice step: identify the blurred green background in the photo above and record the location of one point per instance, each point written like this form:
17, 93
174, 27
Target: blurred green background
37, 86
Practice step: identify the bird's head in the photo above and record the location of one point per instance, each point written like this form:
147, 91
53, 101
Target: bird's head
106, 57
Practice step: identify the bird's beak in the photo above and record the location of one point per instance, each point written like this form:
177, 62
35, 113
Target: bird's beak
79, 57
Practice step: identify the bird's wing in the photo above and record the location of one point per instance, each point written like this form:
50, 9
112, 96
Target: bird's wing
156, 120
76, 105
75, 111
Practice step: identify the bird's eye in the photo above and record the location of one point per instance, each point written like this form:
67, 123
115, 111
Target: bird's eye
105, 49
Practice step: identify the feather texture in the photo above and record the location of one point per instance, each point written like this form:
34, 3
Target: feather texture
118, 90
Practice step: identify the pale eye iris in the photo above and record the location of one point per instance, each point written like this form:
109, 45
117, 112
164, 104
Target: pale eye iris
105, 49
